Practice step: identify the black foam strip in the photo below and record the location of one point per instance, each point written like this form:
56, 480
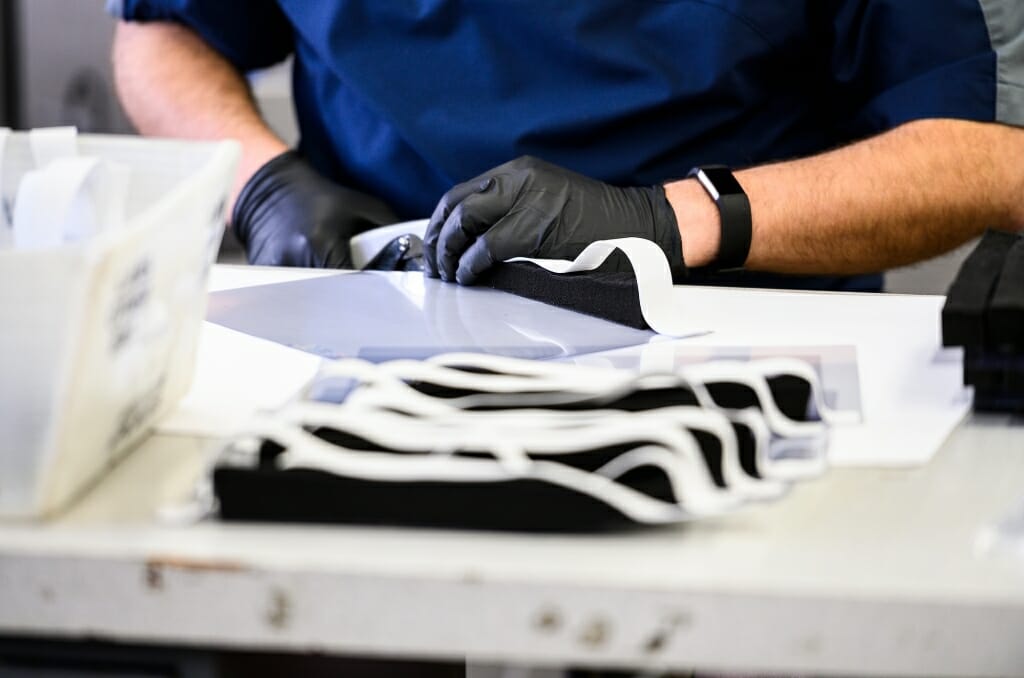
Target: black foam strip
963, 315
1004, 317
985, 402
310, 496
995, 372
609, 295
588, 460
998, 382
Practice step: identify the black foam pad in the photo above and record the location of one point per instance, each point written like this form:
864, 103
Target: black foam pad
963, 315
1004, 317
991, 371
265, 493
609, 295
310, 496
588, 460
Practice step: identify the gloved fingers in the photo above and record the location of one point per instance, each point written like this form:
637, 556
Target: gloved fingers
283, 249
368, 212
504, 240
476, 259
254, 256
299, 252
259, 252
470, 219
339, 256
448, 202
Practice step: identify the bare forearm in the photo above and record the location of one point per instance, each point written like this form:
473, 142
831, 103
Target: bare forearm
909, 194
173, 84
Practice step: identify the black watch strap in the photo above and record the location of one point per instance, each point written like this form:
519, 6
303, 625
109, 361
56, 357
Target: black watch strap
734, 213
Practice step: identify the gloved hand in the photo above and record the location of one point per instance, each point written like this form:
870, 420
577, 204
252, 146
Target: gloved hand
289, 215
531, 208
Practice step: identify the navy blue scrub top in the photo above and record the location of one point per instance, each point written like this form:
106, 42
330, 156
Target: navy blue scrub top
404, 98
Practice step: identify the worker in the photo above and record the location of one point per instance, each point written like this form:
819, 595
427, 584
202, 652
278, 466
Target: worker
795, 143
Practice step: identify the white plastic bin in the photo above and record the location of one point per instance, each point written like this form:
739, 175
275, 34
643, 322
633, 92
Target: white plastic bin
98, 339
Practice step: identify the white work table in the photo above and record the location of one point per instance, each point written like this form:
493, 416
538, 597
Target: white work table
863, 571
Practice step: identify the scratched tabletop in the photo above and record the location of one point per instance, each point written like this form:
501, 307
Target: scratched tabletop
881, 572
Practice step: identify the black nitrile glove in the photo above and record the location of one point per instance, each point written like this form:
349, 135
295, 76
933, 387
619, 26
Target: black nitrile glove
531, 208
289, 215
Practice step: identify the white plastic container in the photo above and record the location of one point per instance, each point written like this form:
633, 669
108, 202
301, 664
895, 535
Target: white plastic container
98, 339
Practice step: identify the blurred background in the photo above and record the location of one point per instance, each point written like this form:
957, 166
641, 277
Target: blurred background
56, 65
55, 70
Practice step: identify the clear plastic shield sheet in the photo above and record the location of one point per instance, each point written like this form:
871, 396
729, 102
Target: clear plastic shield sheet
382, 316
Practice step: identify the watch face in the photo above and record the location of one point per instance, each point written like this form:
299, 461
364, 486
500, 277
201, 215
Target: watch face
719, 180
734, 212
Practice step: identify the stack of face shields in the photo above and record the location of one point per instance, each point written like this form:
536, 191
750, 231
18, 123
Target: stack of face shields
984, 314
477, 441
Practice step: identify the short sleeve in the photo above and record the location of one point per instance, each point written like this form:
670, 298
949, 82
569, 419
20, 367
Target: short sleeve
1005, 19
251, 34
894, 61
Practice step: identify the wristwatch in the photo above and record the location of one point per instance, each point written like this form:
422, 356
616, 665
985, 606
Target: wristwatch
734, 212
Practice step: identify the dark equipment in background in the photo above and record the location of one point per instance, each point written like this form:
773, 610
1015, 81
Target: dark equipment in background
7, 51
52, 76
984, 314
